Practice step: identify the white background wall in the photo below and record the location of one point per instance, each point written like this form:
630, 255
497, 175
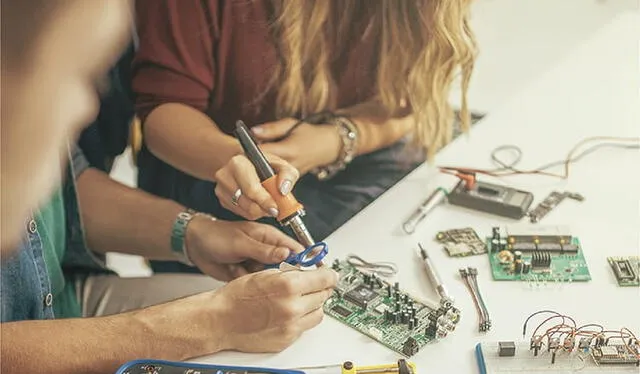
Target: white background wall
518, 41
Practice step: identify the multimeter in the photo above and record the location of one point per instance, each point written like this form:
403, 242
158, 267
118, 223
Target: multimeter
491, 198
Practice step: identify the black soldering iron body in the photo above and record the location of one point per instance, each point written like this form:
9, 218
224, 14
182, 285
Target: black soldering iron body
291, 211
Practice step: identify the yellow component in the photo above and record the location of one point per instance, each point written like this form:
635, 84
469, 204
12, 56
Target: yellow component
347, 367
505, 257
374, 369
512, 240
536, 241
562, 241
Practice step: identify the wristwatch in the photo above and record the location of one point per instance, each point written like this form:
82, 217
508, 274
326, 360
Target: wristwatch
179, 231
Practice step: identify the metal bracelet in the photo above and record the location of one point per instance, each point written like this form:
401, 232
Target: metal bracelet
348, 132
179, 231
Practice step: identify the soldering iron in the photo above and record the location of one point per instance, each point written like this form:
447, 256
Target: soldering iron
290, 210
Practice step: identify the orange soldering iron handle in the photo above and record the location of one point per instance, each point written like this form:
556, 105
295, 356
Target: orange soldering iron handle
287, 205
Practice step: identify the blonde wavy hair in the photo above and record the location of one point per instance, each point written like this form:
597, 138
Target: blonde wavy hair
422, 45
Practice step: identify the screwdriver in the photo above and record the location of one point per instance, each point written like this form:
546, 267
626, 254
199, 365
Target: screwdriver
290, 210
433, 275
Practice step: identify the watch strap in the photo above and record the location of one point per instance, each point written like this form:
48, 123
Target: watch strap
179, 232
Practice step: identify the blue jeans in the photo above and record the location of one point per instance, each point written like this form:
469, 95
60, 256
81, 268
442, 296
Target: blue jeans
329, 204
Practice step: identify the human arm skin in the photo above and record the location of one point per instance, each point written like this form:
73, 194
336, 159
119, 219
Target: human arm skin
376, 129
118, 218
188, 140
311, 146
101, 345
225, 319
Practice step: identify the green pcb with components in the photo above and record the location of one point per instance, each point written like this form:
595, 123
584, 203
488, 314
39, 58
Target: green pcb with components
626, 270
383, 312
562, 267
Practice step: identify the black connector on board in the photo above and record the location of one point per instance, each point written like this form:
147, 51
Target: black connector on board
492, 198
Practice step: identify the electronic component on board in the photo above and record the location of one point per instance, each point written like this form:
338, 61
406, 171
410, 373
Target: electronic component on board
506, 349
626, 270
410, 347
387, 314
461, 242
360, 296
491, 198
536, 344
550, 202
585, 342
599, 348
618, 354
536, 253
540, 259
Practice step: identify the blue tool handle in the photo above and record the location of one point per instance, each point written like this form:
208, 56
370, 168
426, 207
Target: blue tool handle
303, 258
174, 367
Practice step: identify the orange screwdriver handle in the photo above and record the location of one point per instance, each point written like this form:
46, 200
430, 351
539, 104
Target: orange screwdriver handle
287, 205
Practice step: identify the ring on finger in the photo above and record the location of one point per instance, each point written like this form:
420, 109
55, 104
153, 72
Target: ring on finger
236, 197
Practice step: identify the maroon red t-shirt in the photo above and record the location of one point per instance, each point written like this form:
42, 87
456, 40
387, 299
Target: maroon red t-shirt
218, 56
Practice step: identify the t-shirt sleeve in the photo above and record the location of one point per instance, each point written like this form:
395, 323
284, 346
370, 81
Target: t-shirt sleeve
174, 62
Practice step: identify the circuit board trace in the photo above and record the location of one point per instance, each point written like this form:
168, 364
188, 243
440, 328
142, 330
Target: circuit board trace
626, 270
552, 257
385, 313
461, 242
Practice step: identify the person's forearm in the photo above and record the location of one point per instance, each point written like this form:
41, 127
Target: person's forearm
101, 345
375, 129
188, 140
118, 218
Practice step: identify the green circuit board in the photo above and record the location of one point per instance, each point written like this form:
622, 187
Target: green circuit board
562, 267
385, 313
626, 270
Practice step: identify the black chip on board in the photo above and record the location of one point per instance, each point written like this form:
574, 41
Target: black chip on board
341, 311
361, 295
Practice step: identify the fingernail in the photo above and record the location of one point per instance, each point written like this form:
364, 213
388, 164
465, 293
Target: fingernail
285, 187
282, 254
257, 130
273, 212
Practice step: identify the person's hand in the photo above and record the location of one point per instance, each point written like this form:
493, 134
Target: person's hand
269, 310
254, 201
227, 250
306, 147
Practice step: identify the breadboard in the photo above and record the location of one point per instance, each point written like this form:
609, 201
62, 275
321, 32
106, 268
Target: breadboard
524, 362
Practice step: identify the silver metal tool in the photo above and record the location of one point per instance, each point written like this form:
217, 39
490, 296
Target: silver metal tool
436, 198
433, 276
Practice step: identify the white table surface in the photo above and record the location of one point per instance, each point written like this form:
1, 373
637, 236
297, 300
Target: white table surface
594, 91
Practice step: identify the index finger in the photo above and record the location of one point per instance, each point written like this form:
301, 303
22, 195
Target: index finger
247, 178
272, 236
288, 175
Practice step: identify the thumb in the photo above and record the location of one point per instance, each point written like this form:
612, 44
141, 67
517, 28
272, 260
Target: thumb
272, 131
